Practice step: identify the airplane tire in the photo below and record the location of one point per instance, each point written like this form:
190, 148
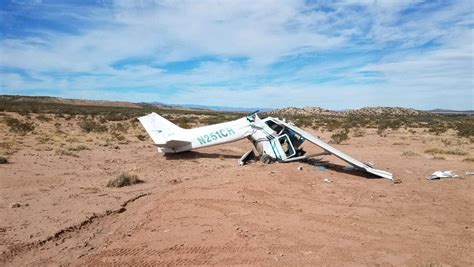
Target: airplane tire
266, 159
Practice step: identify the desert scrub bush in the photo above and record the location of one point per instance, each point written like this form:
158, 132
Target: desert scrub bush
358, 132
8, 148
183, 122
125, 179
88, 125
43, 117
439, 158
141, 137
3, 160
438, 128
43, 139
62, 152
332, 124
120, 138
78, 148
381, 131
119, 127
470, 159
465, 129
456, 151
409, 154
18, 126
340, 136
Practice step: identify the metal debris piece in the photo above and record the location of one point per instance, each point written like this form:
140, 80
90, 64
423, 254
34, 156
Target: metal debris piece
441, 175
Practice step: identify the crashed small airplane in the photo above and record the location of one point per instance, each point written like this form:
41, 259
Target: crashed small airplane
275, 140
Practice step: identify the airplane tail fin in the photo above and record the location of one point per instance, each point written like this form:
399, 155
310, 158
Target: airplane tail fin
159, 128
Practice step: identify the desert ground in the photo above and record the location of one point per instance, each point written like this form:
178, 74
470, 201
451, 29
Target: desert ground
201, 208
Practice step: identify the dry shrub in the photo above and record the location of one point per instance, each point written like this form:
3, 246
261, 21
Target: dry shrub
62, 152
439, 158
340, 136
43, 117
471, 159
78, 148
358, 132
141, 137
3, 160
125, 179
456, 151
8, 148
88, 125
409, 154
18, 126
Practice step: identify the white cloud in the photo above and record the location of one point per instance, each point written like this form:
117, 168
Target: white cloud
264, 32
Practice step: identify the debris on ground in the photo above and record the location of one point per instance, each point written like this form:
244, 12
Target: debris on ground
319, 168
327, 180
250, 155
300, 168
348, 168
18, 205
469, 173
441, 175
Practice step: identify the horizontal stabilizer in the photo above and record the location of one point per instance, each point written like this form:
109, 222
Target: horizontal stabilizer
174, 143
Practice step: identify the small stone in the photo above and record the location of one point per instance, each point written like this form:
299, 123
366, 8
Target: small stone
300, 168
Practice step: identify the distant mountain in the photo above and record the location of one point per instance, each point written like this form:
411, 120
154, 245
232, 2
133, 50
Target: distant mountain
215, 108
449, 111
369, 111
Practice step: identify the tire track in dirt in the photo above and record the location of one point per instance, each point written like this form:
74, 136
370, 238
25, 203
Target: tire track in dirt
194, 255
65, 233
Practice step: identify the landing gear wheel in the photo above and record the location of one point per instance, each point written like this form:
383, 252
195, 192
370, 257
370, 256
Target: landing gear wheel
266, 159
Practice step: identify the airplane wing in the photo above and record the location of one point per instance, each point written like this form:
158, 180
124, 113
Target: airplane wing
359, 165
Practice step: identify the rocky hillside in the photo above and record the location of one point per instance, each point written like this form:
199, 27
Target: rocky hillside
370, 111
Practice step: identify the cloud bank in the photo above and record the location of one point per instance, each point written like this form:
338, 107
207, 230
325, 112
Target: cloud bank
335, 54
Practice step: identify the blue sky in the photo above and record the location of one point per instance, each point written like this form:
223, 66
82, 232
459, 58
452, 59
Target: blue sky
333, 54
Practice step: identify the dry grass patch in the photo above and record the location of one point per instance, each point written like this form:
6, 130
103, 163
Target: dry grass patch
125, 179
470, 159
456, 151
78, 148
439, 158
410, 154
62, 152
8, 148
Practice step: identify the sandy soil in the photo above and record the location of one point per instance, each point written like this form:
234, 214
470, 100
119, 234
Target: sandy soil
200, 208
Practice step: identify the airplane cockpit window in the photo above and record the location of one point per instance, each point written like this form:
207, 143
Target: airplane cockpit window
275, 127
286, 145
